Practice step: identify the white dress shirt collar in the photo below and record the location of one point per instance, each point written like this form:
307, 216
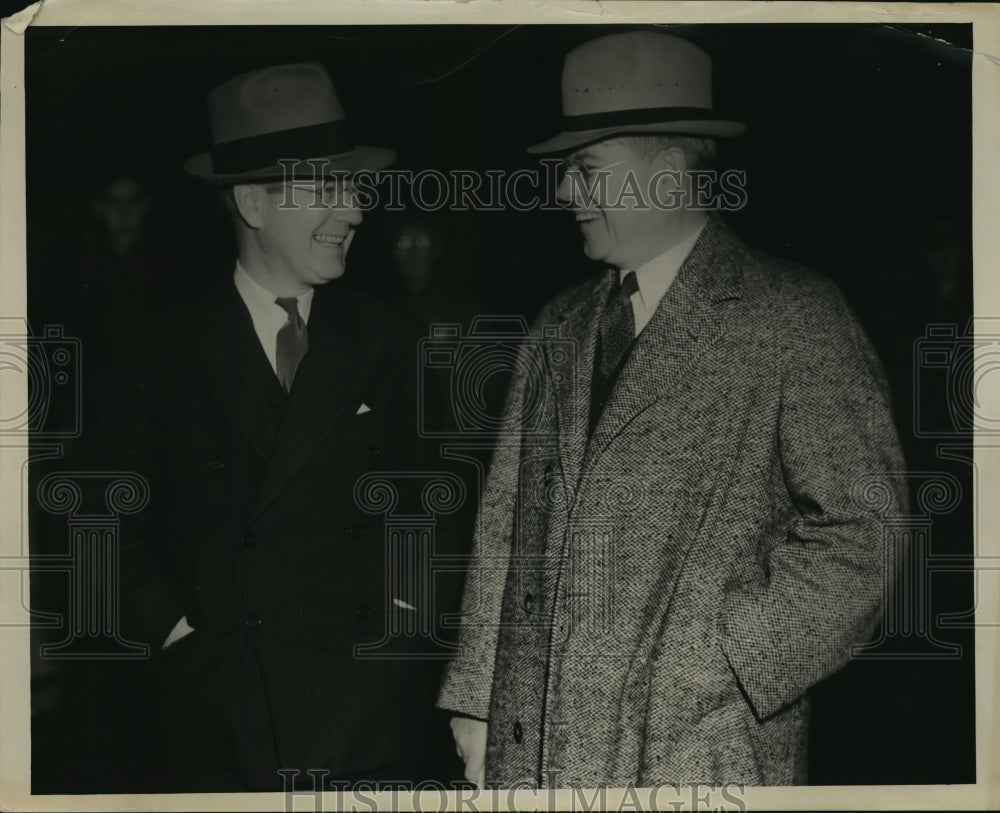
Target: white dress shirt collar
268, 316
656, 276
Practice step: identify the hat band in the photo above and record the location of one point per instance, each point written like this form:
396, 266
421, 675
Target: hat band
266, 150
642, 115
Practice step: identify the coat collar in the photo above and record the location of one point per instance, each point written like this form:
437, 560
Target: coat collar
690, 317
231, 365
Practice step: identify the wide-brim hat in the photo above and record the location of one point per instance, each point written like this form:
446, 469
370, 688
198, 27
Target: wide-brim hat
280, 122
637, 83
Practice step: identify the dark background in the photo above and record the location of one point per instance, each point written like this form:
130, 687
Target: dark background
858, 156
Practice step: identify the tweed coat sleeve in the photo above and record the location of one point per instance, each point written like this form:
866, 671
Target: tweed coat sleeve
825, 574
468, 681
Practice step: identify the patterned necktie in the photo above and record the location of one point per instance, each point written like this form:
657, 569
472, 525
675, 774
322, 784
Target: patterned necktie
292, 342
617, 331
618, 326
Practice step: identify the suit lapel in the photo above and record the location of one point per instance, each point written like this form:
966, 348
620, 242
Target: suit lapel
326, 383
689, 319
232, 367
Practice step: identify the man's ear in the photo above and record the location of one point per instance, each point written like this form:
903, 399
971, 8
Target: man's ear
250, 200
671, 175
672, 158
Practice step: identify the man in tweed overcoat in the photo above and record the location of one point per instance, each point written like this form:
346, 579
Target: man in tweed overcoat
670, 554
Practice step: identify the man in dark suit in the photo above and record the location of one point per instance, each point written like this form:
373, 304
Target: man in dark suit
687, 534
275, 417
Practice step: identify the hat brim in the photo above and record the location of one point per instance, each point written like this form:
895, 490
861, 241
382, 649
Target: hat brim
360, 158
570, 140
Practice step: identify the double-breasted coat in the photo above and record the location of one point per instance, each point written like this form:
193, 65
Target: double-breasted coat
650, 604
267, 528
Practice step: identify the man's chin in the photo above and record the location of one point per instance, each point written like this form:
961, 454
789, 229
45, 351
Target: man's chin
326, 275
590, 251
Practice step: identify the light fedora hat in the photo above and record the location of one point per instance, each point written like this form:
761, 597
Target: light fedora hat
280, 113
640, 82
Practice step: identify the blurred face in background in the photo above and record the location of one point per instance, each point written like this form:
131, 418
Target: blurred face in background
416, 252
122, 209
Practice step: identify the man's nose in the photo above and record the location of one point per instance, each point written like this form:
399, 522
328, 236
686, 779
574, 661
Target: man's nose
573, 191
564, 192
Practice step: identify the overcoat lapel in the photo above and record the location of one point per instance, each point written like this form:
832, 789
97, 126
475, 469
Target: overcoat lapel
572, 392
690, 318
326, 384
231, 365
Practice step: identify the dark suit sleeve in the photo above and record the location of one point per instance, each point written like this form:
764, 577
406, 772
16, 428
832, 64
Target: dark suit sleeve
826, 568
454, 527
151, 596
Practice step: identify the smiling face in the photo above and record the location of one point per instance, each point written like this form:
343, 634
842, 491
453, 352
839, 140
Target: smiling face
297, 235
611, 190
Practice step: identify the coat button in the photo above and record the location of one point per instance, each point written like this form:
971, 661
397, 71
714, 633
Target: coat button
356, 531
529, 602
374, 451
249, 540
216, 464
364, 612
253, 621
518, 732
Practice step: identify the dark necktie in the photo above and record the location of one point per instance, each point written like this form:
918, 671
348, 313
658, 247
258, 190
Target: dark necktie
617, 332
292, 342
